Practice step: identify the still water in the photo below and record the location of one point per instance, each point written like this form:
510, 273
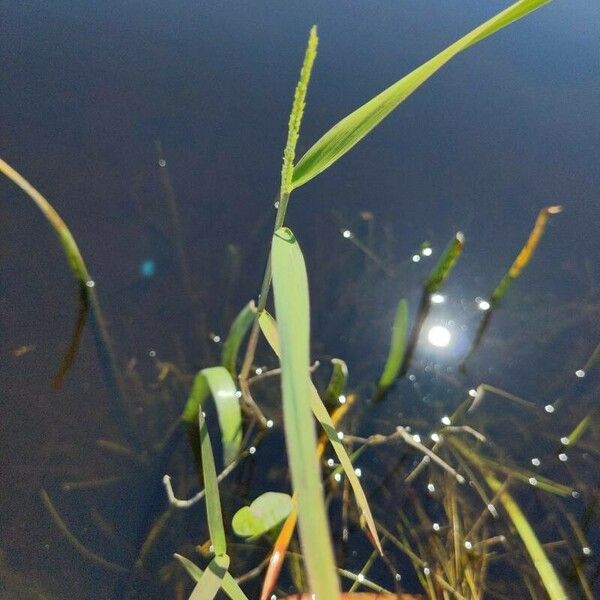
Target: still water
505, 129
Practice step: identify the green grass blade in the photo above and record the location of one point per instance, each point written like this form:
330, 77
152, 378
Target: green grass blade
208, 582
397, 348
337, 382
440, 272
237, 331
218, 381
229, 584
269, 328
290, 287
350, 130
532, 544
214, 514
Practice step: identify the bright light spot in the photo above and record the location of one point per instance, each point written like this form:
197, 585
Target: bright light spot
330, 462
152, 353
416, 258
468, 545
342, 399
533, 481
412, 377
358, 472
340, 435
446, 420
493, 510
252, 450
216, 339
90, 283
347, 234
417, 438
361, 577
338, 477
483, 305
563, 457
427, 251
575, 494
437, 298
238, 394
427, 571
586, 550
436, 526
564, 441
276, 204
435, 437
258, 370
398, 577
162, 162
439, 336
269, 423
549, 408
580, 373
473, 393
536, 462
211, 548
430, 488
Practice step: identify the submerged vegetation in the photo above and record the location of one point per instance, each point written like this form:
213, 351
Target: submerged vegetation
467, 536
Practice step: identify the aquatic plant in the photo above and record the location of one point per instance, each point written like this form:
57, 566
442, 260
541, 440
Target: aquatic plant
455, 567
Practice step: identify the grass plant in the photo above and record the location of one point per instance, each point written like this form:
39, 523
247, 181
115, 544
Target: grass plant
453, 564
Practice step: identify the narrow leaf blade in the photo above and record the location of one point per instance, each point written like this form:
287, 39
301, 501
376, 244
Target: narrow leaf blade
350, 130
290, 287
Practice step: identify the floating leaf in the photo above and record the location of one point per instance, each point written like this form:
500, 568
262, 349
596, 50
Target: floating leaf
218, 381
266, 512
290, 288
350, 130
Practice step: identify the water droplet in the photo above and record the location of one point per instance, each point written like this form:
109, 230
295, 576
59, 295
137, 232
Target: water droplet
330, 462
483, 305
492, 510
416, 258
436, 526
152, 353
412, 377
338, 477
533, 481
90, 283
446, 420
347, 234
435, 437
269, 423
472, 393
564, 441
536, 462
398, 577
162, 162
575, 494
252, 450
276, 204
417, 438
238, 394
580, 373
563, 457
340, 435
361, 577
427, 251
468, 545
431, 488
358, 472
587, 551
549, 408
427, 571
342, 399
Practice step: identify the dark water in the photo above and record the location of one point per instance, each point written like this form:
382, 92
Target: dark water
507, 128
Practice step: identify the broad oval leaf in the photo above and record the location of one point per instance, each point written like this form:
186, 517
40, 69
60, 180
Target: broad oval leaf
266, 512
350, 130
290, 288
